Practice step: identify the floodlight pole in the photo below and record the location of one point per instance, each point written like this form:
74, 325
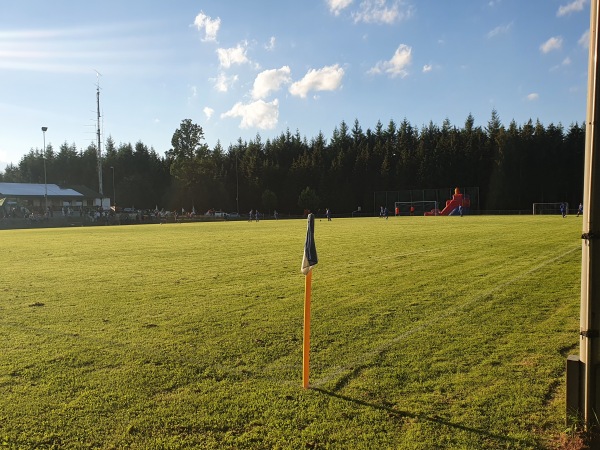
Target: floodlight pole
114, 193
237, 185
44, 129
99, 163
585, 371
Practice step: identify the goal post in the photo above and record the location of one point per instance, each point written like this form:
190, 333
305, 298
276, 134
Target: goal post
416, 208
550, 208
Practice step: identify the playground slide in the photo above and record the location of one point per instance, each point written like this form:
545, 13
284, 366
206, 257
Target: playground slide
451, 205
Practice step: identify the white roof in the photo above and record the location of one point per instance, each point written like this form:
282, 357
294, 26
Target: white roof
35, 190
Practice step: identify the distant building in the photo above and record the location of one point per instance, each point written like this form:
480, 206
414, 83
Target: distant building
34, 197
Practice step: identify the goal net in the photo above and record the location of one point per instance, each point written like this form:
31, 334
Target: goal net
416, 208
549, 208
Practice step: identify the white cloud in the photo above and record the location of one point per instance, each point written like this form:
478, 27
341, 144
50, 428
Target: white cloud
233, 55
397, 65
574, 6
329, 78
210, 26
427, 68
533, 96
502, 29
222, 83
270, 81
336, 6
554, 43
113, 48
271, 44
584, 40
259, 114
208, 112
378, 11
564, 62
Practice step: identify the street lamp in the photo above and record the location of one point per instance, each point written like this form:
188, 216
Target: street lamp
114, 194
237, 186
44, 129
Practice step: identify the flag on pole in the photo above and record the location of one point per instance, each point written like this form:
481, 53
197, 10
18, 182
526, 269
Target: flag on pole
310, 251
308, 261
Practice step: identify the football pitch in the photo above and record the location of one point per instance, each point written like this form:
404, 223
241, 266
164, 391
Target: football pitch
427, 332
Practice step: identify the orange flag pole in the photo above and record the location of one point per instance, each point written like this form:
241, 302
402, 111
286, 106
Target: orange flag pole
309, 259
306, 341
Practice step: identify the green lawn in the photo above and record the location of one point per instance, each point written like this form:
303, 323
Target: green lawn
427, 332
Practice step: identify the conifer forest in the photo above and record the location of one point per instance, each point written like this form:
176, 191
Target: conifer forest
513, 166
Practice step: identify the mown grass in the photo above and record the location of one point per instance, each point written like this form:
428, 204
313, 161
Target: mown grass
438, 332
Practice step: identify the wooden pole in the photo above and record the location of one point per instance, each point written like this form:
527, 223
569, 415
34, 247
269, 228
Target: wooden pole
590, 285
306, 340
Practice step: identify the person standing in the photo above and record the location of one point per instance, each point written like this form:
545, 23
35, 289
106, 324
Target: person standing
580, 209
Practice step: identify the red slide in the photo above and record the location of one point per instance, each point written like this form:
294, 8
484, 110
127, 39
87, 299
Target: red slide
451, 205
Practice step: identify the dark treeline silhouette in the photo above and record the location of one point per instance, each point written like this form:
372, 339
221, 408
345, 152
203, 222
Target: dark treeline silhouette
513, 166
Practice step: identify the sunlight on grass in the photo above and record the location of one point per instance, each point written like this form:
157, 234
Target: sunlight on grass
426, 333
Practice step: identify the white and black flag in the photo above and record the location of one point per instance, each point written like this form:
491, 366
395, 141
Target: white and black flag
310, 251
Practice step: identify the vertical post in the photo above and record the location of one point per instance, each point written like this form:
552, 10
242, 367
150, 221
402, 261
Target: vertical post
306, 338
573, 397
237, 185
590, 285
45, 180
100, 189
309, 259
114, 193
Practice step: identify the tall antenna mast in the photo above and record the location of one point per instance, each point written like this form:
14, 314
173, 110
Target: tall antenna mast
98, 133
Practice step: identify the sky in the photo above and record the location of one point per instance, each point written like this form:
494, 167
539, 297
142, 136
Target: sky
243, 68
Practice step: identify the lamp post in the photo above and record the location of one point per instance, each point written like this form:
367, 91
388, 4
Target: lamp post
44, 129
237, 186
114, 194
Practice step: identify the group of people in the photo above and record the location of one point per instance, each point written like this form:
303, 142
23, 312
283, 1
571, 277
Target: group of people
255, 215
383, 212
563, 210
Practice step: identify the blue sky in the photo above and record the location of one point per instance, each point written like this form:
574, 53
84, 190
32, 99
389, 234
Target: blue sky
238, 68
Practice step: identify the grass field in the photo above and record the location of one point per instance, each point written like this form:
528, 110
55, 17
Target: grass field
427, 333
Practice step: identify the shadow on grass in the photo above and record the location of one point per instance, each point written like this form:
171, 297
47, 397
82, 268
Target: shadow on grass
399, 413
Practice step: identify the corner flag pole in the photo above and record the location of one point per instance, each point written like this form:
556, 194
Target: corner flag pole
308, 261
306, 336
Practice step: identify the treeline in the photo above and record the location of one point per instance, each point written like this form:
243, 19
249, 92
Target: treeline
513, 166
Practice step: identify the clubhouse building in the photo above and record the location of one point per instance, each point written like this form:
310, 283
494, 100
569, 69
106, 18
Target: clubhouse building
42, 199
